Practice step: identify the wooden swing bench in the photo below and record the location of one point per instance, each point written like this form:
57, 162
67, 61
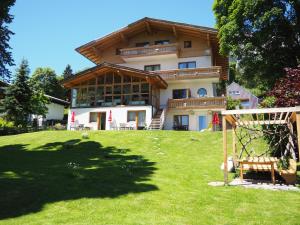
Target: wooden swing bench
259, 164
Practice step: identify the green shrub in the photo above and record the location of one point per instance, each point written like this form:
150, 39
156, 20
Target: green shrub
59, 126
268, 102
5, 124
233, 103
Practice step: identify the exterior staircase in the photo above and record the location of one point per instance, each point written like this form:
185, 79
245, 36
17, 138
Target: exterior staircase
157, 122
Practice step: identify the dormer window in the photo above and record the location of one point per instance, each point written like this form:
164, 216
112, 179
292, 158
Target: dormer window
187, 44
162, 42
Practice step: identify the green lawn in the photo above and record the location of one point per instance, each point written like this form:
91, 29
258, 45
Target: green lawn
129, 177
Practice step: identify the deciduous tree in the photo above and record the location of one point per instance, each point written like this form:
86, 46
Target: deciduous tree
45, 79
263, 35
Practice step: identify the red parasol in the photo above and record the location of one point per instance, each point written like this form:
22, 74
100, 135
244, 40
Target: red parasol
110, 116
216, 119
73, 117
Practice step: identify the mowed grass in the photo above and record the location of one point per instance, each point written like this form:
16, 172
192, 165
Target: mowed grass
128, 177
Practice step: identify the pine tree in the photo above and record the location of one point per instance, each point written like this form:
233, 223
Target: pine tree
5, 33
67, 72
17, 101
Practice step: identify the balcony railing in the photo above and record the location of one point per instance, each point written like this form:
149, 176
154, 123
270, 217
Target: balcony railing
195, 73
149, 50
197, 103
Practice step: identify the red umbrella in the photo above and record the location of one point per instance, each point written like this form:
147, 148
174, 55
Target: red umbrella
110, 116
73, 117
216, 119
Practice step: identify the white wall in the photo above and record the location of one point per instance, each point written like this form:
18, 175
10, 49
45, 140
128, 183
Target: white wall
119, 115
193, 117
193, 85
55, 111
167, 62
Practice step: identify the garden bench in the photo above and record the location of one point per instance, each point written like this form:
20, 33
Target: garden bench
259, 164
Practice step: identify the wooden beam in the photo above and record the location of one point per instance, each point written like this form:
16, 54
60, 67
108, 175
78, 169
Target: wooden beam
293, 117
175, 31
96, 51
208, 40
230, 120
234, 148
298, 132
225, 149
260, 111
148, 27
261, 122
124, 38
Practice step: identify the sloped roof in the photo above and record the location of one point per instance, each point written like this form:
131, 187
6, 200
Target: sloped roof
57, 100
104, 67
140, 26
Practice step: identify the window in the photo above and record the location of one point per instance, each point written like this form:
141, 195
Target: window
202, 92
93, 117
180, 93
181, 122
142, 44
152, 67
118, 51
74, 97
139, 117
186, 65
187, 44
234, 92
162, 42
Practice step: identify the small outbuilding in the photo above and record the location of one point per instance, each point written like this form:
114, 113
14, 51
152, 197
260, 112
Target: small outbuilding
238, 92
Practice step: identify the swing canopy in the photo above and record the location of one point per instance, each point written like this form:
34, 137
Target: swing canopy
282, 125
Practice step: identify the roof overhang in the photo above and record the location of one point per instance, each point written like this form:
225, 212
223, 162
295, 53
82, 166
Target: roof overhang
151, 77
92, 50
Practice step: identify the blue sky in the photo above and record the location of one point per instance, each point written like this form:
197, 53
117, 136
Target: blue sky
48, 31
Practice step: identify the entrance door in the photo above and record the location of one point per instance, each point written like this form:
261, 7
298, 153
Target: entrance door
202, 122
101, 120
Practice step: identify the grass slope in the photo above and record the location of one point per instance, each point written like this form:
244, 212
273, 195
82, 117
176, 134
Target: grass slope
130, 177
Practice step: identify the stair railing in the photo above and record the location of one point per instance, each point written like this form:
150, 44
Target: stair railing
162, 119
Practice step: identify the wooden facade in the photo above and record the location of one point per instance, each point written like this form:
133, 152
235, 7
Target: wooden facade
205, 42
111, 87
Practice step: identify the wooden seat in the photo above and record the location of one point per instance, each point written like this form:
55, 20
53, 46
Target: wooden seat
259, 164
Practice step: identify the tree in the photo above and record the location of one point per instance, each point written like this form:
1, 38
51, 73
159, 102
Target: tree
264, 37
5, 55
67, 72
287, 89
22, 100
45, 79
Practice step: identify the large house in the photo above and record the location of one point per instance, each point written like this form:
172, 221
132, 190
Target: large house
152, 73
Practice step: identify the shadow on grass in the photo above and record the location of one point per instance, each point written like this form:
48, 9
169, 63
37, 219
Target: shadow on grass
65, 171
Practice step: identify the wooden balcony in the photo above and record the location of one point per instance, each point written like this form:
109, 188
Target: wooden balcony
195, 73
149, 50
197, 103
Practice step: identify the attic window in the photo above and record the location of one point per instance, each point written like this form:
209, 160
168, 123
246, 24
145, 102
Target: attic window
118, 51
162, 42
142, 44
187, 44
